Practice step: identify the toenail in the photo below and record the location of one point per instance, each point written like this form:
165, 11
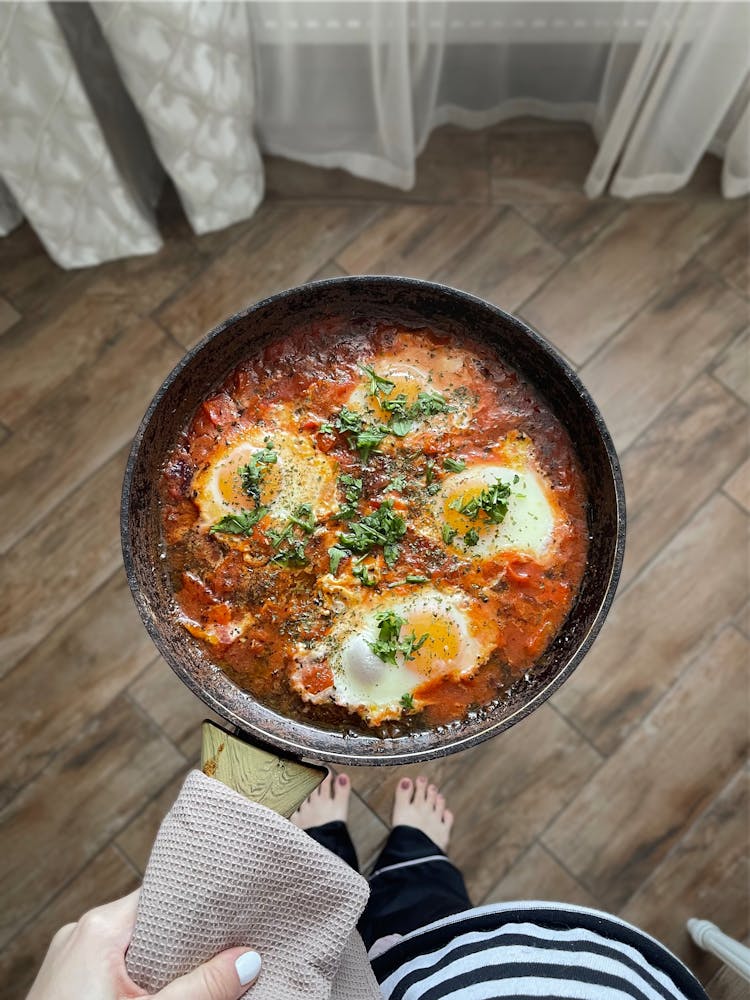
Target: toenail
342, 779
404, 782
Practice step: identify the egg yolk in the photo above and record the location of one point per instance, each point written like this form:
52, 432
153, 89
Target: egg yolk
454, 518
442, 642
230, 482
407, 381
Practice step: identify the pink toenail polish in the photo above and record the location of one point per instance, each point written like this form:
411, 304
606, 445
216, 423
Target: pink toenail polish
404, 782
343, 779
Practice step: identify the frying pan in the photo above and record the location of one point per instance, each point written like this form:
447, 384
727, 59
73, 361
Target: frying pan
412, 302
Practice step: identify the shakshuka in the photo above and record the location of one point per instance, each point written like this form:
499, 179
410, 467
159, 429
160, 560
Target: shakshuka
374, 526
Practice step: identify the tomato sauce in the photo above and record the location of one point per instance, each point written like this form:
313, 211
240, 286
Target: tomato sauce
253, 601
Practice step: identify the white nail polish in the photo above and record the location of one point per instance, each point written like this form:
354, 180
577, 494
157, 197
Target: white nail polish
248, 967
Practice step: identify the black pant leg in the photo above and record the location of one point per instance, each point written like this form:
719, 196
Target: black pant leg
335, 836
412, 884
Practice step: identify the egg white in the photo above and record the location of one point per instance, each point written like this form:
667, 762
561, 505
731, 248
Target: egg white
365, 684
528, 526
412, 374
300, 475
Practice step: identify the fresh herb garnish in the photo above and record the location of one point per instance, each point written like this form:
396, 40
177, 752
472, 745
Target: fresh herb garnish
448, 534
389, 641
240, 524
302, 517
293, 553
378, 384
428, 403
252, 473
398, 484
454, 464
364, 438
432, 486
411, 578
401, 421
364, 576
403, 416
367, 441
492, 502
471, 537
384, 527
352, 492
336, 554
407, 701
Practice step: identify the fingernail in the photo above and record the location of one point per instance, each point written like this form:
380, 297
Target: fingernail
343, 779
248, 967
404, 782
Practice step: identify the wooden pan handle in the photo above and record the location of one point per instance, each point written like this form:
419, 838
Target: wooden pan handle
281, 783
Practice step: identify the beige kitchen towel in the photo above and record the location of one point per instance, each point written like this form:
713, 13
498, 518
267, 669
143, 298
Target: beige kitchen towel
225, 871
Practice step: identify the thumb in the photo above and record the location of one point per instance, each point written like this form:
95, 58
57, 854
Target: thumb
225, 977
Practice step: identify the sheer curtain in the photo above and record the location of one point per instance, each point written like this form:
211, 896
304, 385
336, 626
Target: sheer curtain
96, 100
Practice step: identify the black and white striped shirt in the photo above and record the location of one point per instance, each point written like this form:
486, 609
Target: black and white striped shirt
526, 951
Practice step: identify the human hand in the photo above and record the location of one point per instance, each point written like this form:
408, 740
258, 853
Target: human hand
86, 961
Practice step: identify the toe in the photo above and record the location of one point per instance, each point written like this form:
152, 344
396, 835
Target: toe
448, 820
404, 790
440, 805
432, 794
341, 787
421, 789
324, 788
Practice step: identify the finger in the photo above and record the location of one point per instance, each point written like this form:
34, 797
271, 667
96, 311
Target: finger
225, 977
112, 922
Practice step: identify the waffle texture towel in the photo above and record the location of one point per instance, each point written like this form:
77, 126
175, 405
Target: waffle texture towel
225, 871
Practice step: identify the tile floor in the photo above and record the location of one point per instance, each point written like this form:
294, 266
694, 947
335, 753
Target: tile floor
629, 789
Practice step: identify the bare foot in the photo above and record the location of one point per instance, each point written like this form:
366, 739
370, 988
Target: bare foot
329, 801
416, 803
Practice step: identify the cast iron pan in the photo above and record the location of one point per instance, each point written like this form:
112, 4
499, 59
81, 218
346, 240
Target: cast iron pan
412, 302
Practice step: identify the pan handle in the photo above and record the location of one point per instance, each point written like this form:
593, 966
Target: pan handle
263, 776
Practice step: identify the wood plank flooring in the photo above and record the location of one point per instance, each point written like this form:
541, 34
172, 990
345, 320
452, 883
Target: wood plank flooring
629, 790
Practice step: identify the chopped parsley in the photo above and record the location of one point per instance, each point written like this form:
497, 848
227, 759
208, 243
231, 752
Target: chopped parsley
303, 518
378, 384
492, 502
336, 554
292, 554
252, 473
407, 701
432, 485
384, 528
352, 492
363, 438
448, 534
401, 421
471, 537
389, 641
429, 403
411, 578
404, 416
398, 484
367, 441
362, 573
240, 524
454, 464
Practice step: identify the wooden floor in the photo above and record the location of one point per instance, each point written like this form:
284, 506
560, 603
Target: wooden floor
629, 789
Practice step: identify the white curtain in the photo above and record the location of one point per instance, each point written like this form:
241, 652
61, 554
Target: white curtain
98, 100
